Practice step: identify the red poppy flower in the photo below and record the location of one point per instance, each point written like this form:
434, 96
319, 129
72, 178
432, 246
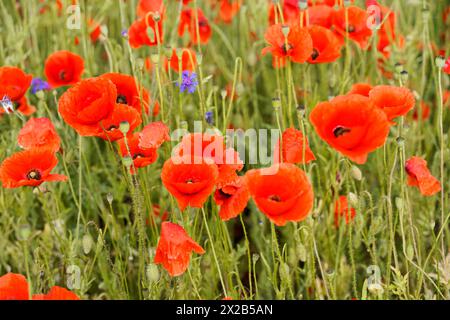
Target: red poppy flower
420, 176
297, 46
190, 181
232, 199
174, 249
39, 132
110, 127
386, 34
94, 30
423, 111
14, 83
199, 145
57, 293
188, 21
29, 168
153, 135
295, 148
447, 66
361, 88
290, 12
149, 6
63, 68
356, 29
394, 101
282, 192
128, 91
138, 33
141, 157
87, 103
13, 287
326, 45
342, 209
188, 60
320, 15
352, 125
228, 9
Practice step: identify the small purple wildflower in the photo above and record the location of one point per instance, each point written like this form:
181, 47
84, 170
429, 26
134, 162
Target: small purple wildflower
7, 104
124, 33
209, 117
37, 84
188, 82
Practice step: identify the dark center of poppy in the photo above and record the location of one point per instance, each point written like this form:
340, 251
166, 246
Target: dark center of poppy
224, 195
34, 175
286, 47
275, 198
339, 131
138, 155
112, 128
189, 181
315, 54
17, 104
62, 75
121, 99
351, 28
202, 23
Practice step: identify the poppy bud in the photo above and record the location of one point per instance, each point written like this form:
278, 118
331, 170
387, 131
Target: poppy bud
353, 199
398, 68
87, 243
301, 252
24, 232
255, 257
109, 198
155, 58
399, 203
152, 273
375, 288
355, 172
301, 109
223, 94
405, 75
168, 52
40, 95
400, 142
156, 16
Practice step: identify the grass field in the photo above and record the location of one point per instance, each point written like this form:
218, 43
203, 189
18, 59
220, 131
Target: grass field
356, 206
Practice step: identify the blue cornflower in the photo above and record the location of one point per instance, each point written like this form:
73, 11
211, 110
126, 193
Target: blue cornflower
124, 33
37, 84
188, 82
7, 104
209, 117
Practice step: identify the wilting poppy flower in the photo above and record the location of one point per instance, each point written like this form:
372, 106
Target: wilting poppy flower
63, 68
282, 192
138, 34
420, 176
189, 180
343, 210
57, 293
174, 249
188, 60
141, 157
295, 148
29, 168
352, 125
297, 46
13, 287
447, 66
153, 135
232, 198
394, 101
128, 92
149, 6
14, 83
228, 9
39, 132
110, 127
87, 103
356, 29
326, 45
361, 88
188, 21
